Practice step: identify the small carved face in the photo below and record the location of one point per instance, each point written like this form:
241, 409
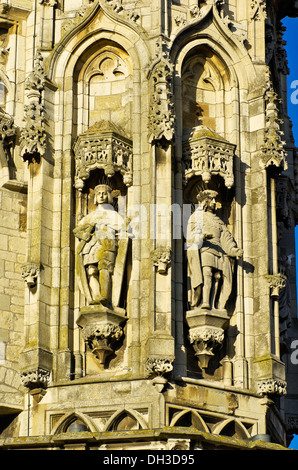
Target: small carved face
102, 196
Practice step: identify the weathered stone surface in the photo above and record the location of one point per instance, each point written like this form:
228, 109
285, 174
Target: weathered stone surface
157, 103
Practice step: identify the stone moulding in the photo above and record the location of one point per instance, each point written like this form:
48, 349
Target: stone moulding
101, 329
103, 146
206, 154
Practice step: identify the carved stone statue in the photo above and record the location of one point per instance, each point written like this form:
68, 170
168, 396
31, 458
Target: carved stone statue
211, 253
103, 242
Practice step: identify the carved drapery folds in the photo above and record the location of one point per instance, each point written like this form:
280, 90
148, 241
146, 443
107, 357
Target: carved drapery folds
103, 146
161, 116
100, 264
211, 255
33, 135
206, 154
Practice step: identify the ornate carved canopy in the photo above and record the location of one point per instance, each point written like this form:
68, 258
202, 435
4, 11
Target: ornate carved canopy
103, 146
205, 153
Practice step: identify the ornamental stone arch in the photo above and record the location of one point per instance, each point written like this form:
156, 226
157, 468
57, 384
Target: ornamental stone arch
67, 420
190, 418
231, 427
125, 419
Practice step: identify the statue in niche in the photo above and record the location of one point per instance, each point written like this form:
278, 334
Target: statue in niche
102, 250
211, 253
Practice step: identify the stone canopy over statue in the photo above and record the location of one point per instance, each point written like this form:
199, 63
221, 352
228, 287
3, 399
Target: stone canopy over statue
101, 252
211, 254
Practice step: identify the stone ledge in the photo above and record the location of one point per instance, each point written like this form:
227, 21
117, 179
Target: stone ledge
131, 437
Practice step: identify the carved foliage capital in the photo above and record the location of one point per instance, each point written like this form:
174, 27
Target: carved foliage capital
158, 366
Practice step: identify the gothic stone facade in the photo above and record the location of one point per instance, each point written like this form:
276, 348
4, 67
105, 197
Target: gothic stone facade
148, 202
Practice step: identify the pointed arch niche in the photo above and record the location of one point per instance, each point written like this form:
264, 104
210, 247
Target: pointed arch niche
103, 87
208, 94
207, 101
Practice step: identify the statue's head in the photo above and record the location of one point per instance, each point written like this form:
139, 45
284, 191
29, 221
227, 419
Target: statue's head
103, 194
208, 199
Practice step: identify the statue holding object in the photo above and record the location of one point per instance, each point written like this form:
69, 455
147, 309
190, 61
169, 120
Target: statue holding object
211, 253
101, 252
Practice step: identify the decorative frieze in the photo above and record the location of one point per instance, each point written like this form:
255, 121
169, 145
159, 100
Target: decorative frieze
205, 154
272, 386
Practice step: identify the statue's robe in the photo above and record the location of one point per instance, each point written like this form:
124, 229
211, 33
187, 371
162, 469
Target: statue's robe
102, 235
209, 243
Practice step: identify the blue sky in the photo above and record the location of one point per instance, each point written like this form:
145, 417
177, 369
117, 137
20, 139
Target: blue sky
291, 47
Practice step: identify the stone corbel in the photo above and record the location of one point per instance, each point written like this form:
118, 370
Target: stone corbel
178, 444
156, 368
36, 379
101, 329
277, 282
205, 341
161, 258
30, 273
206, 332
